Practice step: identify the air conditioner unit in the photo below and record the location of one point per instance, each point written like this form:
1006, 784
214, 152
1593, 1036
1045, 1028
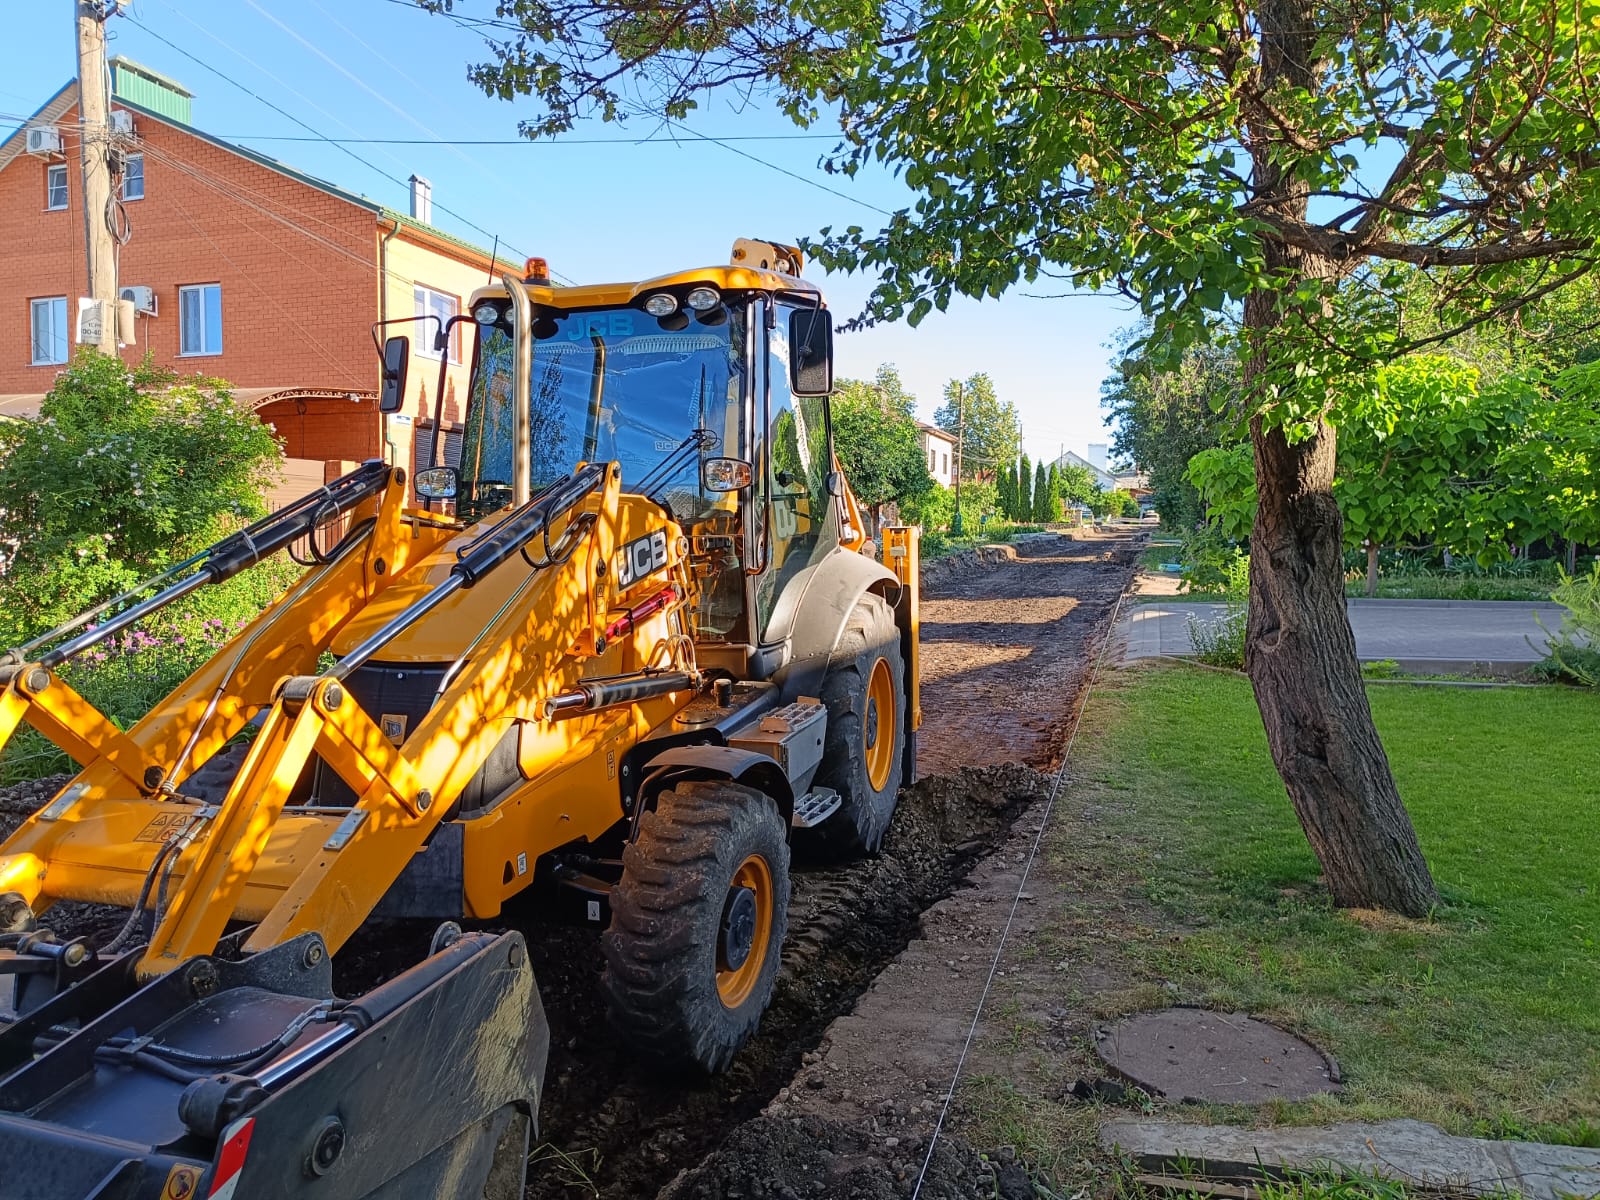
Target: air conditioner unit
144, 299
121, 123
44, 140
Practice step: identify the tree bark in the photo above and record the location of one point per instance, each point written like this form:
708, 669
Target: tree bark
1300, 653
1372, 567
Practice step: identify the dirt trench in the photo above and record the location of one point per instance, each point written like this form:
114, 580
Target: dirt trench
1005, 650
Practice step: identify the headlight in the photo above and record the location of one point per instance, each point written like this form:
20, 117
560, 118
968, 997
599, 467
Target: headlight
486, 313
702, 299
661, 305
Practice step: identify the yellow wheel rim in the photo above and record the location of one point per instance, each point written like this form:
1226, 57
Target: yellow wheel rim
879, 730
736, 982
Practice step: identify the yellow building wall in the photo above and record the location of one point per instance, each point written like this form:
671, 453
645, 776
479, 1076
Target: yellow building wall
410, 262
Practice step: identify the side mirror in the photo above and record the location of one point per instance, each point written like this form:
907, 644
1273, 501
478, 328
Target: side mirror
726, 474
396, 357
437, 483
810, 352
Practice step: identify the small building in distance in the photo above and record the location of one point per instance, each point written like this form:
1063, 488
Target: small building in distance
240, 267
1104, 478
939, 447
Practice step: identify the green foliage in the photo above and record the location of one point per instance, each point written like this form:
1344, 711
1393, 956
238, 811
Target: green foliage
1165, 415
1025, 490
1426, 453
1042, 499
992, 433
1219, 641
1212, 563
1076, 483
124, 472
876, 437
1006, 490
1052, 488
1574, 652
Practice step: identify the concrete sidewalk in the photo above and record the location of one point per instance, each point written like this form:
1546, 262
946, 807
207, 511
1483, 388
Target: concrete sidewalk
1429, 636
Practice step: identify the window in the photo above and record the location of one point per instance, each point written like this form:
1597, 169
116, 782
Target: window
933, 460
945, 458
436, 304
55, 186
49, 325
133, 177
200, 319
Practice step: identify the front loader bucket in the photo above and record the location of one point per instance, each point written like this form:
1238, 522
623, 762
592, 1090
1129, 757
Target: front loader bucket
249, 1079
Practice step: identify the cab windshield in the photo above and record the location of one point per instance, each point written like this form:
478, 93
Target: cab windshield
612, 384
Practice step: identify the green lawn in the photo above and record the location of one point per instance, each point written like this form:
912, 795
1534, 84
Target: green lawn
1485, 1018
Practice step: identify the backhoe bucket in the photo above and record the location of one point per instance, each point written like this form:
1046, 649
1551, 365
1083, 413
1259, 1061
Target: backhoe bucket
249, 1079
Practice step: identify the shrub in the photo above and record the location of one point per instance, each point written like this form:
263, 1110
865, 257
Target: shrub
1213, 563
1574, 651
124, 472
1219, 641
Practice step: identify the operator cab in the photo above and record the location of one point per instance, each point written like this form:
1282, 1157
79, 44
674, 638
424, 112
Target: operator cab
708, 387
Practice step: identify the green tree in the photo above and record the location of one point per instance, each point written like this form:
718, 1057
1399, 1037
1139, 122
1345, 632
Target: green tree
124, 472
1053, 491
876, 437
1025, 490
1005, 491
1041, 492
993, 433
1279, 163
1164, 414
1076, 483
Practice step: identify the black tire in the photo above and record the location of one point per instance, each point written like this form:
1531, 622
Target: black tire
870, 638
673, 994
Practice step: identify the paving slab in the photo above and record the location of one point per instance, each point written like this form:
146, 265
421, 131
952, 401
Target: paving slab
1409, 1151
1431, 636
1226, 1058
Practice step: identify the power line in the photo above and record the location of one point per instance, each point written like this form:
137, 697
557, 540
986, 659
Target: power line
310, 129
521, 141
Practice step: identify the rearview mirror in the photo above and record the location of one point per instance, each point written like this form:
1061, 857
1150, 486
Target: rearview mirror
437, 483
396, 357
726, 474
810, 352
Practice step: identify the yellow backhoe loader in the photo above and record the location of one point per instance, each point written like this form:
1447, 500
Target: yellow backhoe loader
623, 642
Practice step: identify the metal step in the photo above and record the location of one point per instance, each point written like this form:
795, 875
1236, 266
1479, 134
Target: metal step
815, 807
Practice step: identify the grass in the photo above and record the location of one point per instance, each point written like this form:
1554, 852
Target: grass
937, 544
1481, 1018
1415, 586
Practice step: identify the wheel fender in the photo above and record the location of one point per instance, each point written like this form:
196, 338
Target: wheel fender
813, 609
729, 762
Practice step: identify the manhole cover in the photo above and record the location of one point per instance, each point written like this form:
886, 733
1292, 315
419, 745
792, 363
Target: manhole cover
1228, 1058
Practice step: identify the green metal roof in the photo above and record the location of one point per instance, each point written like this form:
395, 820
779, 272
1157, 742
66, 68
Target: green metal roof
390, 214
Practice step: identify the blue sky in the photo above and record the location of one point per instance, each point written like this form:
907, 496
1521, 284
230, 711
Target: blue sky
376, 68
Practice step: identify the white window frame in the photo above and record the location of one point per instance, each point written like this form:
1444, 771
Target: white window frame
202, 288
63, 337
128, 164
423, 299
49, 188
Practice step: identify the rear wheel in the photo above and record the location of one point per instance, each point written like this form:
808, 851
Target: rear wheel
864, 751
697, 924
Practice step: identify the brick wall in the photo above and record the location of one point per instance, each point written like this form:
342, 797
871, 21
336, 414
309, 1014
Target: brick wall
297, 266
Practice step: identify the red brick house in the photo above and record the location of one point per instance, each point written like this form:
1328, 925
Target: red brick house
241, 267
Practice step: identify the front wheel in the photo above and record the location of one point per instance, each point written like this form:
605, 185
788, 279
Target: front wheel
697, 924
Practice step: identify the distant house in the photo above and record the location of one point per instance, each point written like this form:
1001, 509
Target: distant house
240, 267
1103, 477
939, 446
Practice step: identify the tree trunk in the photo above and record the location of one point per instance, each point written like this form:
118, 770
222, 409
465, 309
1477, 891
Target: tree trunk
1372, 567
1299, 651
1301, 659
1572, 556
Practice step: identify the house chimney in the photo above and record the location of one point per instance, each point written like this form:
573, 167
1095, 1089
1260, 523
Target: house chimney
421, 200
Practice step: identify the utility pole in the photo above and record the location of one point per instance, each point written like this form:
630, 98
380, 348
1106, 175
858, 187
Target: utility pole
956, 526
94, 156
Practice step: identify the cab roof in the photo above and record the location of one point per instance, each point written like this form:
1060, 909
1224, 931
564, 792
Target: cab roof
600, 295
